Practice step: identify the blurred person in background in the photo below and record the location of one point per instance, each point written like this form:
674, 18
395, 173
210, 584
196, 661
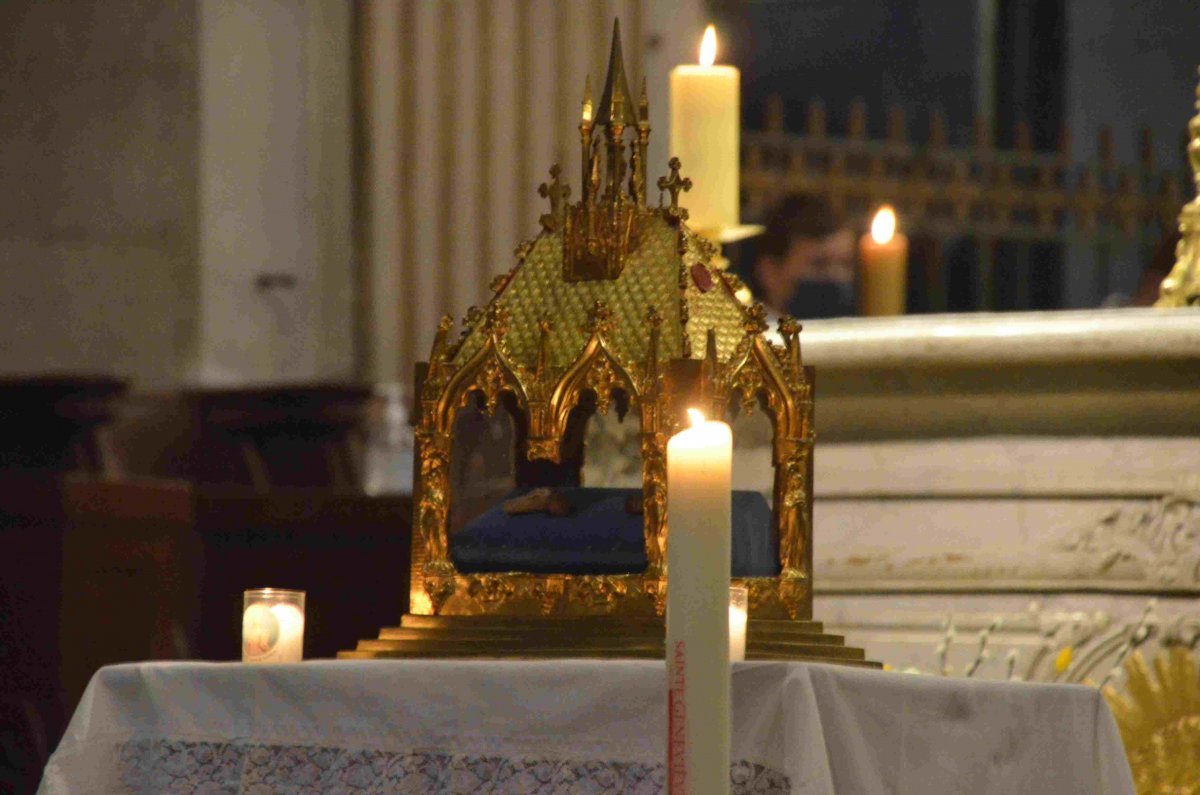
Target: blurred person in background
805, 261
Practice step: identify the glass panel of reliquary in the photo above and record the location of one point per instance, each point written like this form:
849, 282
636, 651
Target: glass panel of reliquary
482, 460
753, 432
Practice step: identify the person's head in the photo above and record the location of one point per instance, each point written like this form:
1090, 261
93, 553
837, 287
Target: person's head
805, 247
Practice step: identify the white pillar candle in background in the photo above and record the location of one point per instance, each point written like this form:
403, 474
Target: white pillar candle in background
883, 271
699, 487
705, 128
273, 626
738, 608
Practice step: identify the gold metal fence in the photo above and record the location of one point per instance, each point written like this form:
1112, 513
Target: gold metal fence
943, 192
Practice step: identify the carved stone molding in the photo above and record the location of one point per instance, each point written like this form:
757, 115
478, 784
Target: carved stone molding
1161, 539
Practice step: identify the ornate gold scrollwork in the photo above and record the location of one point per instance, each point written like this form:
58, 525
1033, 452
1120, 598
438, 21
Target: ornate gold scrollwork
602, 379
747, 383
601, 374
621, 594
437, 375
794, 511
490, 380
434, 449
654, 500
543, 442
488, 371
596, 368
508, 594
439, 587
1159, 720
433, 453
491, 588
654, 452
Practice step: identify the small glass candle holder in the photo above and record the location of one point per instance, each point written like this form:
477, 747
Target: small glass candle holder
272, 626
739, 606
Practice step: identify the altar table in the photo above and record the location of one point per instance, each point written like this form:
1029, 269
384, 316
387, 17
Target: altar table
570, 726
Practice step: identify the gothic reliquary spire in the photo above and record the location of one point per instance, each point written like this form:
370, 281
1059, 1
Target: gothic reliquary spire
602, 227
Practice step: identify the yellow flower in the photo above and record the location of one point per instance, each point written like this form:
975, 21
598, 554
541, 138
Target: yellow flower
1063, 661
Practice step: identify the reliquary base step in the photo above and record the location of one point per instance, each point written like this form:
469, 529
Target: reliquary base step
526, 637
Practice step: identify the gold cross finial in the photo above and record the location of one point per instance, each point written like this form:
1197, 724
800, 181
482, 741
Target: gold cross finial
557, 193
674, 184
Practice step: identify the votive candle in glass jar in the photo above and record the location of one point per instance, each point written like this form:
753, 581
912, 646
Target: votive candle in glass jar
272, 626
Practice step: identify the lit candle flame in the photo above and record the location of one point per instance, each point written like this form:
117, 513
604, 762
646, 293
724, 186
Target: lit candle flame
708, 46
696, 416
883, 225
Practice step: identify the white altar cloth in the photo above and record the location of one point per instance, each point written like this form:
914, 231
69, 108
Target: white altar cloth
570, 726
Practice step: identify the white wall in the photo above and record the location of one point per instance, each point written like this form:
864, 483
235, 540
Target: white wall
155, 158
158, 158
275, 192
98, 135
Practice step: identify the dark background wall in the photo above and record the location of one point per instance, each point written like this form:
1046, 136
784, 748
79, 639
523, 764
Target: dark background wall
1058, 64
1081, 62
917, 54
98, 190
1133, 65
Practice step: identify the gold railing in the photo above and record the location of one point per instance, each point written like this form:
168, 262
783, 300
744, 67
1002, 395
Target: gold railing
977, 192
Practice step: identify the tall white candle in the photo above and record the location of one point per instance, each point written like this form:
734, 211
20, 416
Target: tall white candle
705, 106
699, 461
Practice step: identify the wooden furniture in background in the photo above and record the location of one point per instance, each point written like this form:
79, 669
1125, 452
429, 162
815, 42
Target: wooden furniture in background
300, 435
49, 426
54, 424
130, 566
347, 550
100, 567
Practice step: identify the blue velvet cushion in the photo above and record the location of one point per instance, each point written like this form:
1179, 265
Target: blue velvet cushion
598, 537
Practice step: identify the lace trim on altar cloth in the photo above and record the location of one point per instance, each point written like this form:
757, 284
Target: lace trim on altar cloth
210, 768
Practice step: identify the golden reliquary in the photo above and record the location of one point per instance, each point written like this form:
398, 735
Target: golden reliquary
614, 306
